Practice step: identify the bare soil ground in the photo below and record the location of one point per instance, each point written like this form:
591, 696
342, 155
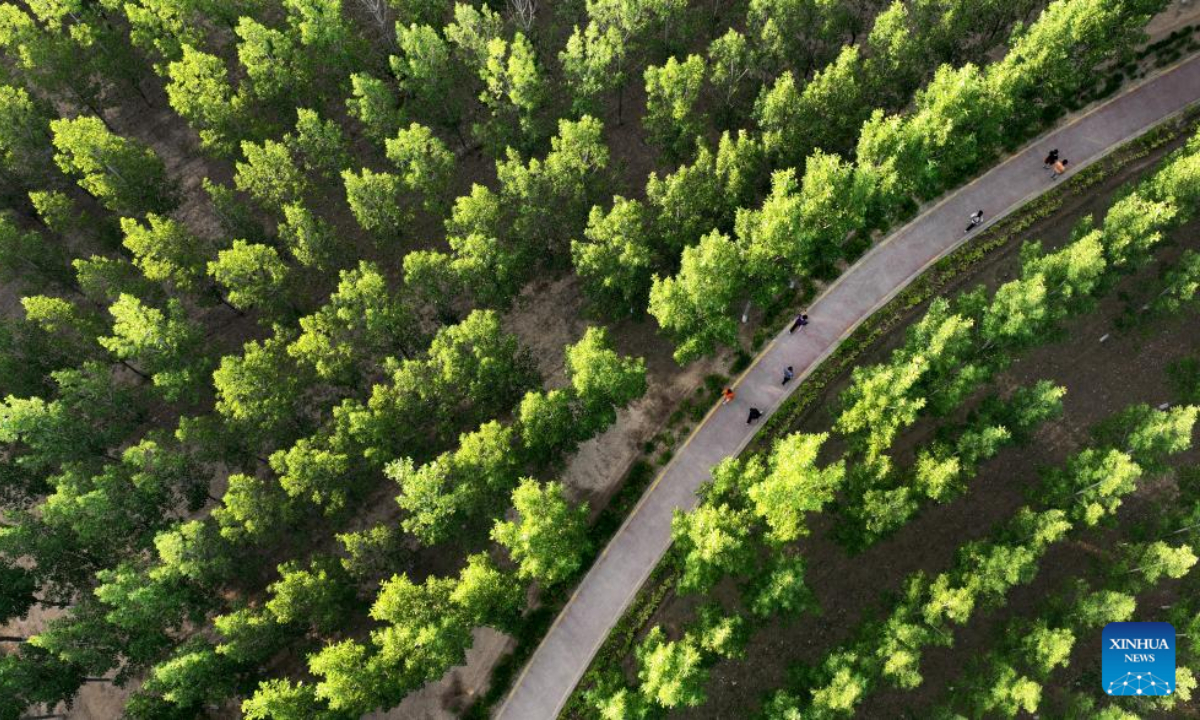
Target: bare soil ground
1101, 378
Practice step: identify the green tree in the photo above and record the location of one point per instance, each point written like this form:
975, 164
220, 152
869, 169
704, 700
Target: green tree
254, 276
317, 596
515, 91
270, 175
200, 91
549, 538
377, 201
361, 321
307, 237
24, 142
794, 486
249, 635
713, 541
695, 306
672, 673
123, 174
429, 75
732, 64
548, 425
425, 164
166, 346
672, 117
603, 380
319, 144
616, 259
374, 104
312, 470
259, 391
281, 699
440, 496
165, 250
193, 677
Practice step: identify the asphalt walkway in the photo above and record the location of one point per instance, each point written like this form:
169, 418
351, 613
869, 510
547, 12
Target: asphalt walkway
606, 591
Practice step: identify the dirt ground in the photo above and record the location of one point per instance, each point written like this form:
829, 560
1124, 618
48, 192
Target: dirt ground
852, 588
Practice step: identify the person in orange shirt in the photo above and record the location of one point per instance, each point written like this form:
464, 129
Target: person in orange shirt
726, 396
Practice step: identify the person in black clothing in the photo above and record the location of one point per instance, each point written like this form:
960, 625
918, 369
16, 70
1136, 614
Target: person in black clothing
976, 218
1050, 159
755, 414
788, 374
801, 321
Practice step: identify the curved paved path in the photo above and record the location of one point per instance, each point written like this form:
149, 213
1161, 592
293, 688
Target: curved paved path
602, 597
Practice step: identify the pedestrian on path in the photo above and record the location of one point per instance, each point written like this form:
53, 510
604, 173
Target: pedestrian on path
726, 396
788, 374
801, 321
1050, 159
1060, 167
976, 218
755, 414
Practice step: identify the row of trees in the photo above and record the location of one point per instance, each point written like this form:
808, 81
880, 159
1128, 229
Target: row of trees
984, 572
960, 121
760, 505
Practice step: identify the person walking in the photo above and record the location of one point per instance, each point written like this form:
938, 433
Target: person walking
726, 396
788, 374
976, 218
1060, 167
1050, 159
755, 414
801, 321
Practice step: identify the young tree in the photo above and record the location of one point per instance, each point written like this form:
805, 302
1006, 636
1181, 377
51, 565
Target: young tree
672, 673
165, 250
270, 175
672, 118
713, 541
425, 164
254, 276
695, 306
123, 174
317, 596
794, 486
166, 346
377, 201
615, 261
549, 538
514, 93
603, 381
